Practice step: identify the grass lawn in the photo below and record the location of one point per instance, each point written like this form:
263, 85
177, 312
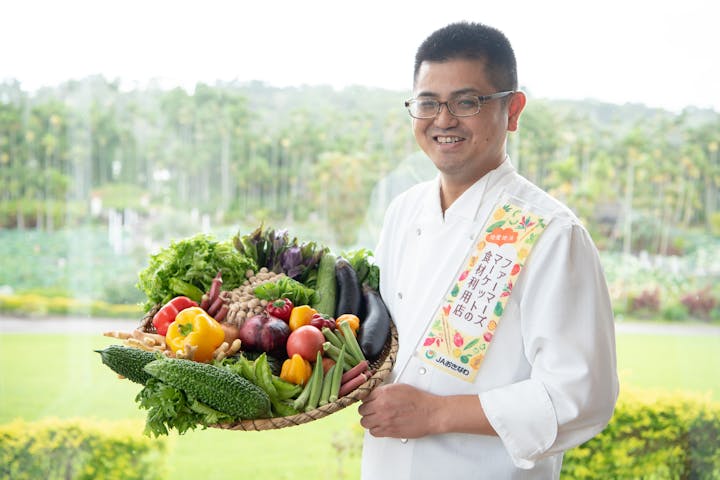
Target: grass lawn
60, 376
670, 363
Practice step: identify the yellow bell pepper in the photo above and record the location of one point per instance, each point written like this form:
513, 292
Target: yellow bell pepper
194, 328
351, 319
300, 315
296, 370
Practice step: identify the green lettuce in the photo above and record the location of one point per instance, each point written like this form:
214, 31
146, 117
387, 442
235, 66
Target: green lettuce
285, 287
188, 266
362, 260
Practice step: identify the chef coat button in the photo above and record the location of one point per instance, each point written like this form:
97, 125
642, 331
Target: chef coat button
472, 236
403, 440
422, 370
400, 295
419, 231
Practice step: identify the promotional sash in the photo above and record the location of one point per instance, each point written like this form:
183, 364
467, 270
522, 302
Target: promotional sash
464, 324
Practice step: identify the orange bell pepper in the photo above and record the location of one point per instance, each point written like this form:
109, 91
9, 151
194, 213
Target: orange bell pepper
300, 315
351, 320
296, 370
193, 327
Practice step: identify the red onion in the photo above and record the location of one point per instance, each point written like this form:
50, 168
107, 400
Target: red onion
264, 333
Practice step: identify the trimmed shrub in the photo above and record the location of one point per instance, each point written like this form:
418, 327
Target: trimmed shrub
35, 304
700, 303
646, 301
675, 312
652, 436
79, 450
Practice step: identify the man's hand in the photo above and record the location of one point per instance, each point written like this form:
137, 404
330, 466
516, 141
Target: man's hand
402, 411
399, 411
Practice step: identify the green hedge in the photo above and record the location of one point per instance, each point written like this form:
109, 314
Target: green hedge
79, 450
652, 436
32, 304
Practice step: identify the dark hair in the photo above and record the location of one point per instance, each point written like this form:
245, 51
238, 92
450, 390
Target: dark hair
472, 41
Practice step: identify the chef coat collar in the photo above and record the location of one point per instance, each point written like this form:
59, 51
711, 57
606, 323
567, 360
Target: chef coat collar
466, 206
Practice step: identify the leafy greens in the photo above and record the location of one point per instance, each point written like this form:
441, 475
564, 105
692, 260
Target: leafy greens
285, 287
362, 261
277, 251
169, 408
188, 266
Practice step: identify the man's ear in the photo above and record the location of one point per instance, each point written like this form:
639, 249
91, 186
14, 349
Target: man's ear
515, 108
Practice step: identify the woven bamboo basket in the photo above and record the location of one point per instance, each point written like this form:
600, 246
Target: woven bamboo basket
381, 368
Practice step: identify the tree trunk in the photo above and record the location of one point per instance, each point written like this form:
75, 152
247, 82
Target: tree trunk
627, 207
225, 172
710, 189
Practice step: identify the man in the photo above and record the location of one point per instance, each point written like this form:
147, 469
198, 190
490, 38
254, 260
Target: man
548, 380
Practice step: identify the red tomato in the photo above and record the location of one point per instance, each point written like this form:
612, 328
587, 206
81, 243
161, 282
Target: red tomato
306, 341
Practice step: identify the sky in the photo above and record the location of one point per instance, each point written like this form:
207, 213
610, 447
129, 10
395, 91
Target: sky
662, 53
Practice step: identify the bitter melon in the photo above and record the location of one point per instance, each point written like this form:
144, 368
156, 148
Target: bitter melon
128, 362
215, 386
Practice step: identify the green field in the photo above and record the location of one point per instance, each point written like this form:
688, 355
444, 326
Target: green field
60, 376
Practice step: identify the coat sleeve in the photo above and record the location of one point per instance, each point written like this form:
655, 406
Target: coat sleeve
569, 341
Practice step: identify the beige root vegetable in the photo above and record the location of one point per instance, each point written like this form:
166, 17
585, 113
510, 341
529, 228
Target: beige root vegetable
117, 334
227, 349
187, 353
147, 338
135, 343
150, 342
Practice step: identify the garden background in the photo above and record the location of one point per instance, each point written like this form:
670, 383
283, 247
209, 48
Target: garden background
94, 179
98, 171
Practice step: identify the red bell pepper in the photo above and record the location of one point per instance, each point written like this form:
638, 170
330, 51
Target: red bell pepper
320, 320
166, 315
280, 308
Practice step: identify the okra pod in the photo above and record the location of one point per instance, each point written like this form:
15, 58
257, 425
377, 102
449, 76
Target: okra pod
316, 381
334, 353
353, 347
331, 337
300, 402
327, 384
336, 377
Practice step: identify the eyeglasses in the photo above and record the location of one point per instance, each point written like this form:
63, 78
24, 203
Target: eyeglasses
462, 106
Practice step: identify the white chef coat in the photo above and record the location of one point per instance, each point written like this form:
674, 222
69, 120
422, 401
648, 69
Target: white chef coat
549, 379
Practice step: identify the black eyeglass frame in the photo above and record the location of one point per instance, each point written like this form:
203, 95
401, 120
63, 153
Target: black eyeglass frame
482, 100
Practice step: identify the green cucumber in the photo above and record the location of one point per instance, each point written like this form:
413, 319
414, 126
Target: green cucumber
326, 287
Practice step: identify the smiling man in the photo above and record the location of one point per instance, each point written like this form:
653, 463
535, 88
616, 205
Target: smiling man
506, 338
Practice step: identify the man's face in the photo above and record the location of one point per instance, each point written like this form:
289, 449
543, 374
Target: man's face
462, 148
